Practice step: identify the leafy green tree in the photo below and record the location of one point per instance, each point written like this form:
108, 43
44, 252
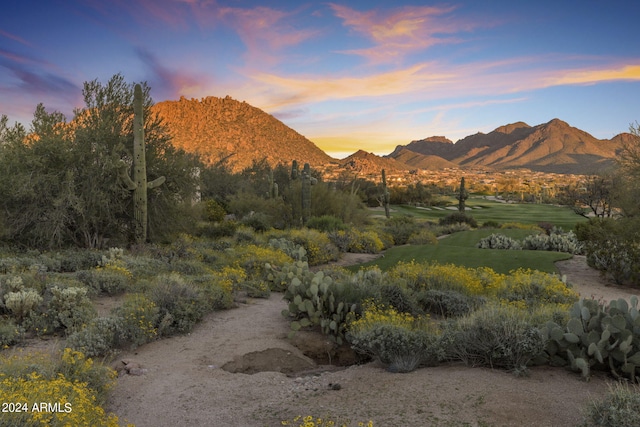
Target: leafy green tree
60, 181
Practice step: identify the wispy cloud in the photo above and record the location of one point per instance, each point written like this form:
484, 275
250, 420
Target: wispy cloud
264, 31
15, 38
403, 30
593, 76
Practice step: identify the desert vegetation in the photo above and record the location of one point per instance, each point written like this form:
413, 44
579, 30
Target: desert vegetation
463, 279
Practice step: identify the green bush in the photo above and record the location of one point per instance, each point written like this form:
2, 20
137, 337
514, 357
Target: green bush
326, 223
499, 241
69, 308
100, 338
181, 304
495, 336
458, 217
398, 340
445, 303
10, 333
213, 211
319, 248
401, 228
217, 230
111, 279
139, 317
619, 408
423, 237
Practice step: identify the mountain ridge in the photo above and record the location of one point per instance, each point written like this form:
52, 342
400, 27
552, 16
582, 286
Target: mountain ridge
216, 128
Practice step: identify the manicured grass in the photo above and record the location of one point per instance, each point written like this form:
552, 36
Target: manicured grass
487, 210
459, 249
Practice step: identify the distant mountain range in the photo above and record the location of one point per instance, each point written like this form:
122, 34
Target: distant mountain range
550, 147
215, 128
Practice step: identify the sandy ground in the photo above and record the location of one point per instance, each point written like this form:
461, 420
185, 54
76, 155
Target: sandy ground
184, 383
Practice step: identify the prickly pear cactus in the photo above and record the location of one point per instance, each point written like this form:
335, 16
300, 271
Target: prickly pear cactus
597, 337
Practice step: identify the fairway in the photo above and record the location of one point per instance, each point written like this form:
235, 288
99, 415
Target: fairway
460, 249
484, 210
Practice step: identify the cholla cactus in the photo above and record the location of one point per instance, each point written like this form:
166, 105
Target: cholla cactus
463, 195
139, 184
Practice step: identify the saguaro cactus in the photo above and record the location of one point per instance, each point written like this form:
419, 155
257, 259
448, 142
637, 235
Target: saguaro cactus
273, 186
462, 196
307, 182
385, 195
139, 184
294, 170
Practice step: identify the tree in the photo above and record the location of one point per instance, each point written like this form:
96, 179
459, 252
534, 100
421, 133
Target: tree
62, 182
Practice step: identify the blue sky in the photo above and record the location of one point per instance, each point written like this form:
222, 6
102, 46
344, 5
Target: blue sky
348, 75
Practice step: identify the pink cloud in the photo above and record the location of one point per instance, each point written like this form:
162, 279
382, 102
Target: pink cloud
403, 30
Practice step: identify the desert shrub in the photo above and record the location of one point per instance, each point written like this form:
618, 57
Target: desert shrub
82, 383
69, 308
74, 260
491, 224
400, 228
10, 333
253, 260
180, 303
446, 303
328, 421
257, 221
397, 297
612, 246
494, 336
110, 279
326, 223
498, 241
441, 230
556, 240
74, 365
139, 319
213, 211
531, 288
21, 303
188, 267
421, 276
319, 248
217, 230
399, 340
520, 226
101, 337
423, 237
620, 407
218, 287
364, 242
457, 218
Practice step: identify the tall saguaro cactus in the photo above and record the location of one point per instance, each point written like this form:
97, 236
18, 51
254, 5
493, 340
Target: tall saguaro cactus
139, 184
385, 194
462, 196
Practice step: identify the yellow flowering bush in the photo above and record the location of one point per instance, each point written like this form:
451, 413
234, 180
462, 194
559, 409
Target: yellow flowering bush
139, 319
399, 340
319, 248
311, 421
39, 401
524, 288
420, 276
253, 259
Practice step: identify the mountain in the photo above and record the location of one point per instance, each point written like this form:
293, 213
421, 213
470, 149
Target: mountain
421, 161
362, 161
549, 147
219, 127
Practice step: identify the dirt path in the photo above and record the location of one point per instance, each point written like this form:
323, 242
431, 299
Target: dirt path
184, 383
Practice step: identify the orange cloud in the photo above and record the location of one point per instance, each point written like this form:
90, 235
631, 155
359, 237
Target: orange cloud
581, 77
403, 31
315, 88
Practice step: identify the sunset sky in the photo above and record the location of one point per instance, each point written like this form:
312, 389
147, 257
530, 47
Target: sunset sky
347, 75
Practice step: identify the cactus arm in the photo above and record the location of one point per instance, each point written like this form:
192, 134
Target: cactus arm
124, 176
156, 183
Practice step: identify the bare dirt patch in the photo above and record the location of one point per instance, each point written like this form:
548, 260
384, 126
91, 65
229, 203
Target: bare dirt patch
185, 383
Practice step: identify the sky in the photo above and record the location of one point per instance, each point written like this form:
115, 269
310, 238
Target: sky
348, 75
